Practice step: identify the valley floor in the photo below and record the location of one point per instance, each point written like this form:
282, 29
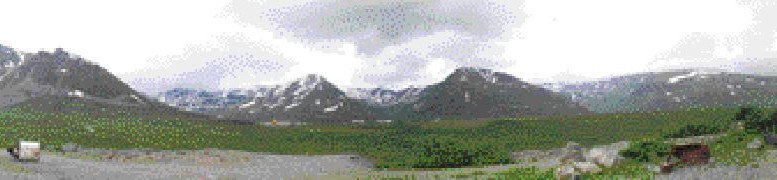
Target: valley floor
227, 164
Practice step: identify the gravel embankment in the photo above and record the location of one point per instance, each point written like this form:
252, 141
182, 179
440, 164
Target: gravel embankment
217, 164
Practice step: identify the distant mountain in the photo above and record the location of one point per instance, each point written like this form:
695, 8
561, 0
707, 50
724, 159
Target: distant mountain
385, 97
482, 93
311, 98
9, 57
207, 102
467, 93
674, 90
47, 80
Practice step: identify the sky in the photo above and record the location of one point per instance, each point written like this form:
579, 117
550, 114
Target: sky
222, 44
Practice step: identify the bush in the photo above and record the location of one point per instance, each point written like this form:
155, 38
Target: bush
771, 124
404, 128
526, 173
746, 113
647, 151
755, 120
436, 151
694, 130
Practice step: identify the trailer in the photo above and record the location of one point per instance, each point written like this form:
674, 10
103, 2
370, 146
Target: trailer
26, 151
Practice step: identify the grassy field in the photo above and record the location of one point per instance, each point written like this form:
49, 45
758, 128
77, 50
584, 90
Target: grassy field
387, 145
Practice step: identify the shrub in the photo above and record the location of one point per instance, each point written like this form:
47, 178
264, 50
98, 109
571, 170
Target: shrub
694, 130
732, 148
647, 151
436, 151
771, 123
526, 173
403, 129
755, 119
747, 113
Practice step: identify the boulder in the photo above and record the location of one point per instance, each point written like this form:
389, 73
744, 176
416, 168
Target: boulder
572, 152
565, 172
70, 147
756, 144
652, 167
600, 156
606, 155
586, 167
771, 138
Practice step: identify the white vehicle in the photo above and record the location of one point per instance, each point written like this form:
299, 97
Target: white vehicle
26, 151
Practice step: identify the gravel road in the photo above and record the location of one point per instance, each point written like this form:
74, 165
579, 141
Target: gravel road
192, 166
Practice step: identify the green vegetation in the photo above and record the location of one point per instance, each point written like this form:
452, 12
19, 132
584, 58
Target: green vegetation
732, 149
441, 143
651, 150
448, 151
756, 119
526, 173
627, 170
695, 130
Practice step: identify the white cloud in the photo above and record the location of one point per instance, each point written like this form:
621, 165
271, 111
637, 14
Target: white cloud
119, 35
605, 38
559, 39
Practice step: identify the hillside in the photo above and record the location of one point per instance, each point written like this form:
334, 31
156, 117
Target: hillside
482, 93
49, 80
674, 90
311, 98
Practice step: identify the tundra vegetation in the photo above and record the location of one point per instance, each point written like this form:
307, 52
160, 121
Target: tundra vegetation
400, 145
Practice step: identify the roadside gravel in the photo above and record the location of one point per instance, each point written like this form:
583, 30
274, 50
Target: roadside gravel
218, 164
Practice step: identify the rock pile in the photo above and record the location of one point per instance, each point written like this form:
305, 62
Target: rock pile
573, 152
576, 160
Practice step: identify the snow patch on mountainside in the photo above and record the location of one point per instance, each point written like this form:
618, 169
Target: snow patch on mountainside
76, 93
330, 109
676, 79
291, 106
137, 98
247, 104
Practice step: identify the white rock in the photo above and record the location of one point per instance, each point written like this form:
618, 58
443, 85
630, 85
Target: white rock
586, 167
756, 144
653, 167
606, 155
564, 172
572, 153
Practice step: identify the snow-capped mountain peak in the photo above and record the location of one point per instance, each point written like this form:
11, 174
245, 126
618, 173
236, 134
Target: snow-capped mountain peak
487, 74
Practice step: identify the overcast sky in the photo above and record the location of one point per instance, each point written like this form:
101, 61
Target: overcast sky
155, 45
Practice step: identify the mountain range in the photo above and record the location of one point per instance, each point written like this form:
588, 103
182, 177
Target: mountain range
674, 90
54, 81
467, 93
